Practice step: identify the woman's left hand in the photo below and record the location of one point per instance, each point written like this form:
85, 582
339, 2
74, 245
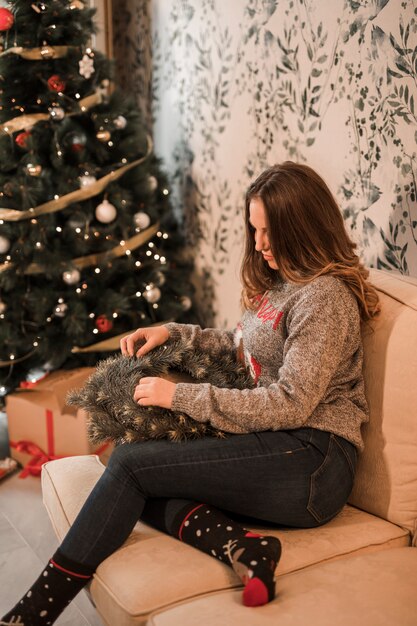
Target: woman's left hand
154, 392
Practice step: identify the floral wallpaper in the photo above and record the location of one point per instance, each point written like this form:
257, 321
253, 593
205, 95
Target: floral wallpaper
239, 85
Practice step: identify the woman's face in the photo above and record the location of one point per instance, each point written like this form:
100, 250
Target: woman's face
257, 219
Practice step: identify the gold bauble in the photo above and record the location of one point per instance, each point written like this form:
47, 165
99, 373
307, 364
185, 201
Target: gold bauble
103, 135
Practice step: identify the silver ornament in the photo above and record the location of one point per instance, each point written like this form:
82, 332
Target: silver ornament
141, 219
120, 122
61, 309
71, 277
4, 244
56, 113
152, 182
87, 180
152, 295
106, 212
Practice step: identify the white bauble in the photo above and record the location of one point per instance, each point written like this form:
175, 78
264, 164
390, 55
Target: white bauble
141, 219
4, 244
160, 278
87, 180
120, 122
152, 295
106, 212
186, 303
71, 277
152, 182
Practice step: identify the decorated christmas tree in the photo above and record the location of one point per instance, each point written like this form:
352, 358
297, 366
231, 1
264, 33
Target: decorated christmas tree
89, 247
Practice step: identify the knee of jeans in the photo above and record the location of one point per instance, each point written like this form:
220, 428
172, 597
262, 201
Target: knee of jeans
119, 461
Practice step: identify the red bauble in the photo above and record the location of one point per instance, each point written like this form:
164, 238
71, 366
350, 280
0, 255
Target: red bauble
22, 139
77, 147
104, 324
6, 19
56, 83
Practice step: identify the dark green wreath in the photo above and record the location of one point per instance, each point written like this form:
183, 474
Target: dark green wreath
107, 396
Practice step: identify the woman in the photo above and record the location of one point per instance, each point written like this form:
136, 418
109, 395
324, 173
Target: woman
292, 458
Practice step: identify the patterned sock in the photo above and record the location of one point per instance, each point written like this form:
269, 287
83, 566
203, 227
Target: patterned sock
253, 557
51, 593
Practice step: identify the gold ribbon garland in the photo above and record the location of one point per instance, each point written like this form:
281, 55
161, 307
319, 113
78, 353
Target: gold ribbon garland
37, 54
97, 259
25, 122
113, 343
11, 215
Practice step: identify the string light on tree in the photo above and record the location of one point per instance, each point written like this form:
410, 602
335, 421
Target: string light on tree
3, 307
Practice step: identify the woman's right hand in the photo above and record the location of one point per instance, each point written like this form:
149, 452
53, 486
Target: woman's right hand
150, 338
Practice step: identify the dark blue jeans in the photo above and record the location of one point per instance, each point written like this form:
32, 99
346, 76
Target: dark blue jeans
299, 478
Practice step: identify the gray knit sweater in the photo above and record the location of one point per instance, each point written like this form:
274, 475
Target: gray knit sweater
304, 350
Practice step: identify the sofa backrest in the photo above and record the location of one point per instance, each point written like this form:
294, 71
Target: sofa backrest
386, 481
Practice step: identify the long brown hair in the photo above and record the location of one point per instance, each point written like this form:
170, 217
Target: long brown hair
307, 236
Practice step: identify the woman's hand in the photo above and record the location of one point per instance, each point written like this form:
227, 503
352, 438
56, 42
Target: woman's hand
154, 392
150, 337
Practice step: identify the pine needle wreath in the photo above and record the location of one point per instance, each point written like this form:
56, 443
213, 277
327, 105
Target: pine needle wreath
107, 396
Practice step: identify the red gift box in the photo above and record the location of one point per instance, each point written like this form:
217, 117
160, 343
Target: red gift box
42, 427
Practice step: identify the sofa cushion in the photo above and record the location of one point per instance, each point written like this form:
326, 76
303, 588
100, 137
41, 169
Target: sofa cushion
373, 589
152, 570
386, 480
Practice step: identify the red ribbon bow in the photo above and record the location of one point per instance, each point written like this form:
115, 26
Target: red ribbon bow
39, 457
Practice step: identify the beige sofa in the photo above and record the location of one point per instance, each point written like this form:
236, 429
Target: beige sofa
359, 568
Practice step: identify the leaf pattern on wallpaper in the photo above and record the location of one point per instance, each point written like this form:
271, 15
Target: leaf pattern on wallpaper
382, 120
243, 84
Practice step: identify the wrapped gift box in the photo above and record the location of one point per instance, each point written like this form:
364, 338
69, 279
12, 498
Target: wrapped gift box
42, 426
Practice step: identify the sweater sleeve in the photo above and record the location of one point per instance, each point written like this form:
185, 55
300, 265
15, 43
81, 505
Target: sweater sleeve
318, 328
210, 340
